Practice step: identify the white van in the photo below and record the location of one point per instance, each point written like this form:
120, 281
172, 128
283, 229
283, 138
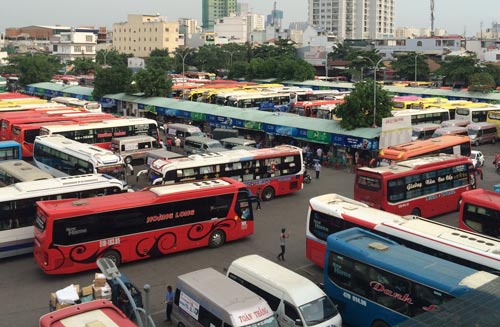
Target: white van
482, 133
133, 147
196, 144
232, 142
208, 298
181, 131
450, 130
296, 300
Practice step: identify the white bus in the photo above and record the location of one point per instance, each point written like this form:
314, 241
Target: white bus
91, 106
15, 171
208, 298
60, 157
101, 133
331, 213
424, 116
18, 205
477, 114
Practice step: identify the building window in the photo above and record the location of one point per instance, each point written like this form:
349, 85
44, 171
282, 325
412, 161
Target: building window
166, 29
54, 48
438, 43
89, 49
77, 48
419, 43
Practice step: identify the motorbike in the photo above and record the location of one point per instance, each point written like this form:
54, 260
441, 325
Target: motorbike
307, 178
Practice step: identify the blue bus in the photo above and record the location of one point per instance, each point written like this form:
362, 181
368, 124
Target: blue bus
10, 150
377, 282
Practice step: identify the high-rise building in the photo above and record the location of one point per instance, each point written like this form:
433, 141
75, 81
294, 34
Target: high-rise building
212, 10
353, 19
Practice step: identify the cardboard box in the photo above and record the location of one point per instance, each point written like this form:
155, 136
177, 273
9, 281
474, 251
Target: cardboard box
87, 290
53, 299
60, 306
77, 289
87, 298
103, 292
99, 279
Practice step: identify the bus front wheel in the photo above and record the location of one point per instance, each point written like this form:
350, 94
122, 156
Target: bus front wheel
380, 323
268, 194
217, 238
113, 256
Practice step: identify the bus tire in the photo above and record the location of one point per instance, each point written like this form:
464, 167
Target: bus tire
113, 256
416, 212
217, 238
268, 193
379, 323
128, 160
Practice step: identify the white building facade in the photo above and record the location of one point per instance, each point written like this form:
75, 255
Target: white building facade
353, 19
71, 45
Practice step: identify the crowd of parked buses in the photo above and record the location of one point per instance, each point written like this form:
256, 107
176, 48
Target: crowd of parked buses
84, 198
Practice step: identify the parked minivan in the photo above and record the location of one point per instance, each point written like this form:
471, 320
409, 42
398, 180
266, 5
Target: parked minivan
134, 147
296, 300
197, 144
455, 122
482, 133
232, 142
423, 131
181, 131
450, 130
208, 298
222, 133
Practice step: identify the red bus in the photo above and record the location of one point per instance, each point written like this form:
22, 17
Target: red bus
480, 212
426, 186
71, 234
95, 313
102, 132
25, 134
324, 109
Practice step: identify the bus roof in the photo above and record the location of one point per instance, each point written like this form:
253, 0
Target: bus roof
384, 253
420, 163
21, 169
124, 121
224, 294
297, 287
482, 196
149, 195
420, 147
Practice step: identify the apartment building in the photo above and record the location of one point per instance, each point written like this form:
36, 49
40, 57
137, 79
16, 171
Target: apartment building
68, 46
353, 19
141, 34
213, 10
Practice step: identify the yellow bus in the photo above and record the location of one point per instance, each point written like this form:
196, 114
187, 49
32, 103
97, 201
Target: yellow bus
494, 118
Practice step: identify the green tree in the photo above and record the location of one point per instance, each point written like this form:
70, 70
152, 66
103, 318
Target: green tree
159, 53
111, 58
360, 65
481, 82
153, 83
494, 71
293, 69
358, 110
238, 70
115, 79
164, 64
405, 66
259, 68
35, 68
184, 57
83, 66
457, 70
341, 51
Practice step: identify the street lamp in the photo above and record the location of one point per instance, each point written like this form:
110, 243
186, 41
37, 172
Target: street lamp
416, 56
183, 57
375, 67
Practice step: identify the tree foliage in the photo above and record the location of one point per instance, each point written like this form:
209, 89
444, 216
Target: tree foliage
111, 58
152, 82
357, 110
481, 82
457, 70
114, 79
82, 66
405, 66
35, 68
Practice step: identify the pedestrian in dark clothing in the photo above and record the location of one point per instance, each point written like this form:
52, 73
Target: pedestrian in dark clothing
283, 236
257, 198
169, 300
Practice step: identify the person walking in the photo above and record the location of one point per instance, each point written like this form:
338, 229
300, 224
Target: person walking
283, 236
317, 168
257, 199
169, 300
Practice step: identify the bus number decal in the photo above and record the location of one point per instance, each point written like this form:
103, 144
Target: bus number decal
355, 299
109, 242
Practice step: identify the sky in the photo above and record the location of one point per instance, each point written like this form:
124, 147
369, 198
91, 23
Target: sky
456, 16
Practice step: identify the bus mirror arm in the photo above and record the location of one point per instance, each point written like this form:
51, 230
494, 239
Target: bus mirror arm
129, 166
139, 173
